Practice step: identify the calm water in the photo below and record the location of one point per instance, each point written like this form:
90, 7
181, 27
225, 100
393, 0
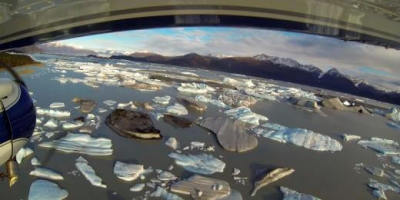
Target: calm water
322, 174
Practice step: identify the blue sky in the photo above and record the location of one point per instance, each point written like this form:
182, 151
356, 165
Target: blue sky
356, 59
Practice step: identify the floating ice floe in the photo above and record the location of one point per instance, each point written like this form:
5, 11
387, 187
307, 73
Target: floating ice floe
271, 177
137, 188
177, 109
172, 143
81, 143
57, 105
396, 159
109, 102
395, 125
394, 114
200, 163
83, 166
162, 100
22, 153
53, 113
189, 73
298, 136
166, 176
379, 189
68, 126
195, 88
164, 194
200, 187
102, 110
46, 173
349, 137
46, 190
244, 83
35, 162
51, 124
383, 146
204, 99
246, 115
236, 99
289, 194
127, 172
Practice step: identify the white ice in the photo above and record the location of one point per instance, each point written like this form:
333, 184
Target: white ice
68, 126
239, 83
246, 115
46, 174
137, 188
204, 99
289, 194
22, 153
189, 73
51, 124
83, 166
200, 163
35, 162
162, 100
380, 189
177, 109
349, 137
57, 105
109, 102
394, 114
298, 136
53, 113
164, 194
127, 171
396, 159
172, 143
195, 88
46, 190
383, 146
166, 176
81, 143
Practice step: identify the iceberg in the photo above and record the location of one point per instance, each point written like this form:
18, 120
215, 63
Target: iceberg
235, 99
177, 109
53, 113
246, 115
35, 162
163, 194
172, 143
195, 88
289, 194
348, 137
162, 100
137, 188
127, 172
22, 153
166, 176
394, 114
83, 166
202, 163
109, 102
298, 136
394, 125
57, 105
51, 124
46, 190
379, 189
218, 103
81, 143
46, 174
68, 126
383, 146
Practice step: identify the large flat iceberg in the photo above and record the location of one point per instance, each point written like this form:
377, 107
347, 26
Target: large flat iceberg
201, 163
46, 190
298, 136
81, 143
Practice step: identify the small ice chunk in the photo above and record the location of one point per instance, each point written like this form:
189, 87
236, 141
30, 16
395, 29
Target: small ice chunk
83, 166
298, 136
35, 162
396, 159
102, 110
72, 125
166, 176
189, 73
138, 187
38, 121
383, 146
197, 145
49, 134
109, 102
57, 105
195, 88
90, 116
46, 173
246, 115
51, 124
163, 194
346, 103
235, 172
162, 100
81, 143
348, 137
177, 109
53, 113
201, 163
289, 194
172, 142
127, 172
46, 190
22, 153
